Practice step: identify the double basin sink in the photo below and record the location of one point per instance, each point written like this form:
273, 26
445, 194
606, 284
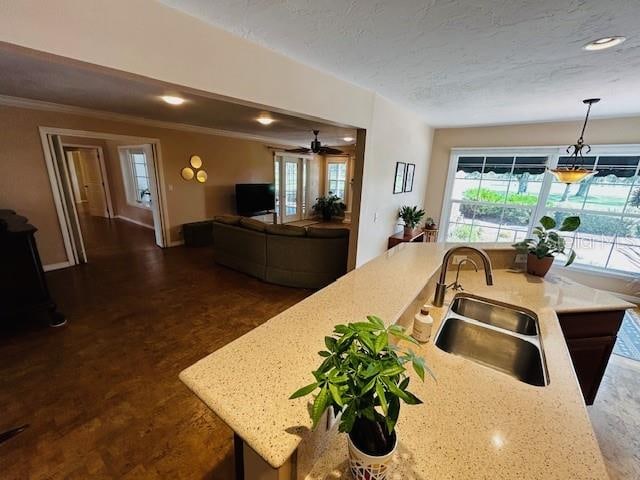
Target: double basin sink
500, 336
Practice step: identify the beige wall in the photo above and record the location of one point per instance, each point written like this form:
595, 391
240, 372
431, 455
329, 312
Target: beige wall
611, 131
603, 132
25, 187
180, 49
396, 135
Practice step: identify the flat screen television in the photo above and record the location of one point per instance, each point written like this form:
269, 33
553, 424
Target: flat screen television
255, 198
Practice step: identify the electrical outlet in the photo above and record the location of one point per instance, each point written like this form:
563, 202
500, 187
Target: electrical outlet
458, 258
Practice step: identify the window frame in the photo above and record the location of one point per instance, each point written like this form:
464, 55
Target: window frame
337, 159
129, 176
553, 154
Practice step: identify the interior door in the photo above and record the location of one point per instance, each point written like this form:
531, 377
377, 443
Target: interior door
94, 186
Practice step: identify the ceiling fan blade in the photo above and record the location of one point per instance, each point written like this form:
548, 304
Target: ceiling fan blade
330, 151
298, 150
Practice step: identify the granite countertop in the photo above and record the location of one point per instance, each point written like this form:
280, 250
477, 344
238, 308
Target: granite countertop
474, 420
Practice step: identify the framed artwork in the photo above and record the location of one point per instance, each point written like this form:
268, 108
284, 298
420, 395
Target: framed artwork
398, 183
408, 178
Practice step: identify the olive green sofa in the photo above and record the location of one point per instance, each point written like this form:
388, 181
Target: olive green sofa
309, 257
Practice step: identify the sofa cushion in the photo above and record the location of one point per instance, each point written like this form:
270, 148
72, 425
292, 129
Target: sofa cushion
228, 219
252, 224
286, 230
318, 232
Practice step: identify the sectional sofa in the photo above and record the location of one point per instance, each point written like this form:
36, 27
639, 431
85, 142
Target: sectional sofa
310, 257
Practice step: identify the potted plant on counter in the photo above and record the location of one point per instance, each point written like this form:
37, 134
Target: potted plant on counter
329, 206
548, 243
363, 377
411, 217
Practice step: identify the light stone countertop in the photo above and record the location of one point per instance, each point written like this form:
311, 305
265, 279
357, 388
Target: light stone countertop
475, 422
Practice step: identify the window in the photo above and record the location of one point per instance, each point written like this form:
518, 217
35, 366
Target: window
499, 195
135, 171
337, 178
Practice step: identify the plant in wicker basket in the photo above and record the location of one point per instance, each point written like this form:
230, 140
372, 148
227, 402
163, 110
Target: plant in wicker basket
363, 376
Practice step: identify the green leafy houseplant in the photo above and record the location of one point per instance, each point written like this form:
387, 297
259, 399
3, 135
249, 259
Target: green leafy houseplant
329, 206
548, 243
363, 376
411, 216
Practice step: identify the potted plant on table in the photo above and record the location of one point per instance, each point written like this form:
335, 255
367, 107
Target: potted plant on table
548, 243
430, 224
363, 377
411, 216
329, 206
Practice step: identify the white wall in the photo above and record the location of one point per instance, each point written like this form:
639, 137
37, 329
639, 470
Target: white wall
183, 50
396, 135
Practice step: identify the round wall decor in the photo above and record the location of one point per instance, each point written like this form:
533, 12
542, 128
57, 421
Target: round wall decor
195, 161
187, 173
201, 176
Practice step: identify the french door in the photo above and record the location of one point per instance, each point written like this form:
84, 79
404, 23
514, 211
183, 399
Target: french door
290, 182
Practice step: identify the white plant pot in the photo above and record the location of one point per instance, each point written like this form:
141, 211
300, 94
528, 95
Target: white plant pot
369, 467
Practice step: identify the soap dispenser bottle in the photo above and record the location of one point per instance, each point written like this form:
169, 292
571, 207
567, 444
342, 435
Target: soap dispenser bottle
422, 324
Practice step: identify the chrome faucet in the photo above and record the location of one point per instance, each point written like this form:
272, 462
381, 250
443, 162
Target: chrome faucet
441, 286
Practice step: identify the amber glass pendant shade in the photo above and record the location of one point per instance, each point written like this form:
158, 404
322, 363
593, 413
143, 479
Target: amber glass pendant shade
572, 175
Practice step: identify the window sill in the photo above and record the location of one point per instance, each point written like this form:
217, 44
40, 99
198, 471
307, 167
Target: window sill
598, 271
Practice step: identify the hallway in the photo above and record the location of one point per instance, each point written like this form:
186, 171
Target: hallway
102, 394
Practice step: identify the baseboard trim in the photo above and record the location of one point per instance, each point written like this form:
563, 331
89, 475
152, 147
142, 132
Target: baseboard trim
131, 220
176, 243
56, 266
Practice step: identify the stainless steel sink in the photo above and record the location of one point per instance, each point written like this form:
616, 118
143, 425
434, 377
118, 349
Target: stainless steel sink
495, 313
495, 335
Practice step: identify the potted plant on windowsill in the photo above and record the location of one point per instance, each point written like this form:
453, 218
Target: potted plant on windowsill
543, 249
363, 378
329, 206
411, 216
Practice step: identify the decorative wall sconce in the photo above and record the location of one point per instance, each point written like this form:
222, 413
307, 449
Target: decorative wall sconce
195, 170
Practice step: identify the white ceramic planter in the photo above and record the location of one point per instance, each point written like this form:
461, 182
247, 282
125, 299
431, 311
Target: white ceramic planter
368, 467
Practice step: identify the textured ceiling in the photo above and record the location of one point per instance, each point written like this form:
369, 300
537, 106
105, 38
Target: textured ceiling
33, 75
456, 62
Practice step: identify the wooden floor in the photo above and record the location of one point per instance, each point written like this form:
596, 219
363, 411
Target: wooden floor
102, 394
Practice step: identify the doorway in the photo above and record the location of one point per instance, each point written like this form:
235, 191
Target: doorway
80, 174
88, 178
290, 173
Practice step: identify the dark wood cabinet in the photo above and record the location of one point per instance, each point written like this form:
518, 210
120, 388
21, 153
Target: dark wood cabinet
24, 295
590, 337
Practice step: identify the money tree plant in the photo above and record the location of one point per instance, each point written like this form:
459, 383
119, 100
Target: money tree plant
363, 375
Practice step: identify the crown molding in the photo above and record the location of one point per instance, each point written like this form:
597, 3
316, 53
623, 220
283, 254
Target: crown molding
31, 104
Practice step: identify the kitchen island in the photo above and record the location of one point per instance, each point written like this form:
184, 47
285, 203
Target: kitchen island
475, 422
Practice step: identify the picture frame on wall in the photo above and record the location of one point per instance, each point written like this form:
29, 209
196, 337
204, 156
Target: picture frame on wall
398, 183
408, 178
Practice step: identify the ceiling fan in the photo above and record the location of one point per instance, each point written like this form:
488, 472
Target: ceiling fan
316, 147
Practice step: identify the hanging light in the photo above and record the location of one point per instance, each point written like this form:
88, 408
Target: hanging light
576, 172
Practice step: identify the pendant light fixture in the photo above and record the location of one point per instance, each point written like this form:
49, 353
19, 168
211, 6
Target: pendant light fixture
576, 172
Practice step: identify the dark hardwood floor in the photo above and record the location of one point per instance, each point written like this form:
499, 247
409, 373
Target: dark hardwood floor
102, 394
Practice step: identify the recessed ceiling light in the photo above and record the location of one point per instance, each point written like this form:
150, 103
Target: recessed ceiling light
348, 139
265, 120
172, 100
604, 43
